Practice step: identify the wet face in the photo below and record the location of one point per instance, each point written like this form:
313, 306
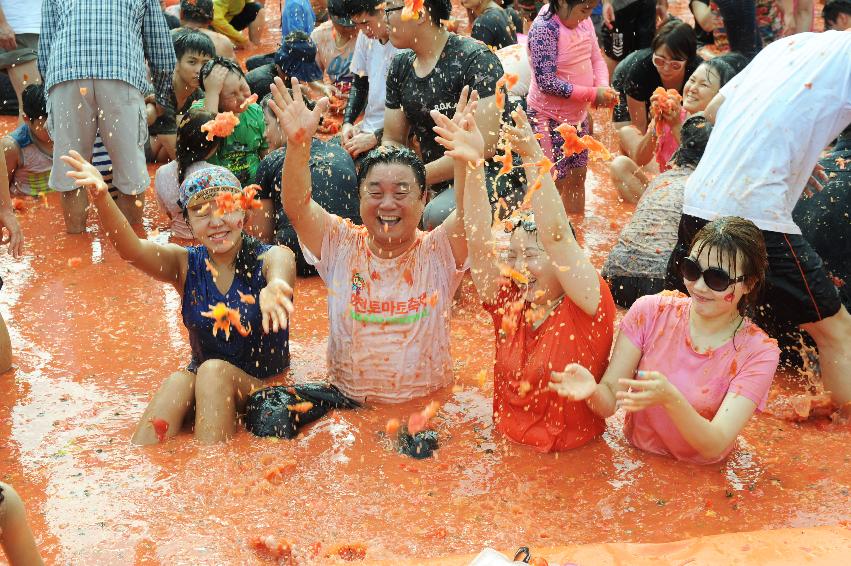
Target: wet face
234, 92
391, 203
708, 302
572, 16
219, 234
670, 67
399, 32
526, 256
189, 67
273, 133
38, 129
372, 25
700, 88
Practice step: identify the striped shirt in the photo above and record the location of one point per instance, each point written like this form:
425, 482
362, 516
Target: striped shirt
102, 162
106, 39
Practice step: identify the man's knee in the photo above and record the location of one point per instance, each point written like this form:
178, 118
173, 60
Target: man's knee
834, 330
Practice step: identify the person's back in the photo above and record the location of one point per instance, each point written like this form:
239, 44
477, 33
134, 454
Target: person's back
777, 116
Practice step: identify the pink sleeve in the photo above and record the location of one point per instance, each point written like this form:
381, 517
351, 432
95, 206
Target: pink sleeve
754, 378
639, 319
601, 71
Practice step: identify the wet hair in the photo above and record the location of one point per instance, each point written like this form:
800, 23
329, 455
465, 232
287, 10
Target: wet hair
728, 238
34, 103
555, 6
198, 11
393, 154
832, 9
720, 67
693, 139
438, 10
188, 40
353, 7
231, 66
677, 36
192, 144
735, 60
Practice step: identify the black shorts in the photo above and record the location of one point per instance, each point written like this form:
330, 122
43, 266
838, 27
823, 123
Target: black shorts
798, 290
632, 29
248, 14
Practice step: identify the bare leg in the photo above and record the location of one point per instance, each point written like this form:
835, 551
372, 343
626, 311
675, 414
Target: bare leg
257, 27
75, 206
572, 190
5, 347
163, 148
171, 402
832, 336
629, 139
628, 178
221, 390
131, 206
16, 538
21, 75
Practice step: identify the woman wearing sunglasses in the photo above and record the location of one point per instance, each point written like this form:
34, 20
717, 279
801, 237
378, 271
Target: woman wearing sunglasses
690, 370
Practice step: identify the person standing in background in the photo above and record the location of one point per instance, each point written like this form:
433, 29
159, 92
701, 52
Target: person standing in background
19, 29
92, 57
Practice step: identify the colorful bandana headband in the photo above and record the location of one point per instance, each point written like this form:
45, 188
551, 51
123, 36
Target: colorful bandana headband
205, 184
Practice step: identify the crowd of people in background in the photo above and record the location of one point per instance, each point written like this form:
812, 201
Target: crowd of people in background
390, 152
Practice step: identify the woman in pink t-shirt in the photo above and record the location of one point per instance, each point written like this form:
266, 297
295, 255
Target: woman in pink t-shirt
690, 370
568, 74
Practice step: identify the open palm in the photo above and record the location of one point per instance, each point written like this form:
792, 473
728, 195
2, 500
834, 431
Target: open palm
297, 121
460, 135
575, 382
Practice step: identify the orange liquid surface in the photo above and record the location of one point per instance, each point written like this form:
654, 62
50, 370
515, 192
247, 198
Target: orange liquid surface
92, 343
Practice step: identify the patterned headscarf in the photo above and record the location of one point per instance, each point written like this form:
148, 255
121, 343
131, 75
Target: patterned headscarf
204, 184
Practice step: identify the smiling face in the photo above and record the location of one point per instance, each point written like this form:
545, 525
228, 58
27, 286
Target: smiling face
708, 302
189, 66
400, 32
219, 234
526, 256
669, 66
234, 92
391, 204
372, 25
700, 88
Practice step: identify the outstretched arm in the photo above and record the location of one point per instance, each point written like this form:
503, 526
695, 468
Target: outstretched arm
299, 124
579, 280
276, 297
162, 262
8, 220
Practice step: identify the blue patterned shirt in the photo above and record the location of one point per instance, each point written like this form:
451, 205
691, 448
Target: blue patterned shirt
107, 39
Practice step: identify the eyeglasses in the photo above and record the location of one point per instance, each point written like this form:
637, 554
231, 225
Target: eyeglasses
388, 11
674, 64
715, 278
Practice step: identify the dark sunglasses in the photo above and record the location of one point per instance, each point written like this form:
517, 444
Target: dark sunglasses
715, 278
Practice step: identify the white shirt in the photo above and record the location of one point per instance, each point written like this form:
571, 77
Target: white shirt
372, 59
388, 338
23, 16
778, 115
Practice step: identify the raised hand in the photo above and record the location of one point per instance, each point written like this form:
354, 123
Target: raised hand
650, 389
460, 135
276, 305
522, 137
575, 382
296, 120
85, 174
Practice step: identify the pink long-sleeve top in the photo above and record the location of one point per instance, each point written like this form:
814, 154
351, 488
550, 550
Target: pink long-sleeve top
567, 68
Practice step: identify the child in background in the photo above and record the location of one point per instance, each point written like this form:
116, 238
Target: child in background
16, 538
545, 317
193, 49
28, 150
568, 74
252, 279
690, 370
226, 90
193, 151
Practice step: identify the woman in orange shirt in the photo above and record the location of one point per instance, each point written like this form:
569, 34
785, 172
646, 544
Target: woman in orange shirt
550, 307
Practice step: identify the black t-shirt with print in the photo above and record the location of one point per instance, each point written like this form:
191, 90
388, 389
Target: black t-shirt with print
642, 77
333, 183
494, 28
464, 61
